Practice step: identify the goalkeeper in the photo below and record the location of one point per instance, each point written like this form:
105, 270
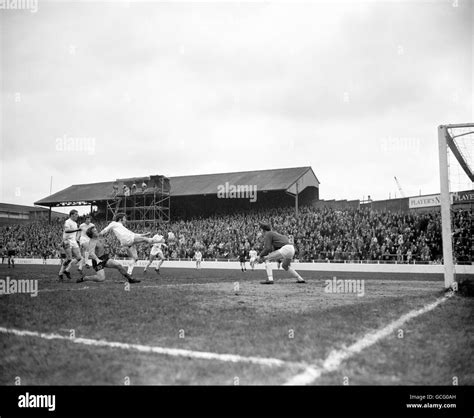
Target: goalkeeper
100, 260
277, 247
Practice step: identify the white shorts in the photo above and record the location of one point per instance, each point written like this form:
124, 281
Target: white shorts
253, 260
127, 240
287, 251
84, 240
156, 251
72, 243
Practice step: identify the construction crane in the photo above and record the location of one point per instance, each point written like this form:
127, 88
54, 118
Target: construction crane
399, 187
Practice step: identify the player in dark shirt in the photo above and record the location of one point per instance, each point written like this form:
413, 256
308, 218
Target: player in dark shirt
242, 258
277, 247
11, 253
100, 259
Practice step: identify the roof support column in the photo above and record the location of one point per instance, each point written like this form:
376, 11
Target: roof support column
296, 200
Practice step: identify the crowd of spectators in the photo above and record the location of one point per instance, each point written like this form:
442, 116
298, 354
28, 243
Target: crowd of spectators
318, 234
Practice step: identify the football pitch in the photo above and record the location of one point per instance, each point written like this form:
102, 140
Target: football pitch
222, 327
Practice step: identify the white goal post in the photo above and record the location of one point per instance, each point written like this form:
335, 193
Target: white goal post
447, 135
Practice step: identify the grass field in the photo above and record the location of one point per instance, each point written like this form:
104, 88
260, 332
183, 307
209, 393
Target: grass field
278, 331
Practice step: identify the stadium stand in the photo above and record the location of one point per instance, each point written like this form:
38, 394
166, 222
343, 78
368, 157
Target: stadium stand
197, 195
403, 230
320, 234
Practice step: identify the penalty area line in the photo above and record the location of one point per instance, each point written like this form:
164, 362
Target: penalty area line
175, 352
338, 356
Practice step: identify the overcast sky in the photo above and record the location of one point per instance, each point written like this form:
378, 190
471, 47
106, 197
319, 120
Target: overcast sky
356, 90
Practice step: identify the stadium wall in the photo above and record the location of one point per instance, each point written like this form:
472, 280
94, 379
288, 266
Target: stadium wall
325, 267
392, 205
463, 200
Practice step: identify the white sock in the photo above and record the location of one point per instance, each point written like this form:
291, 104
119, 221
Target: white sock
269, 269
131, 266
294, 274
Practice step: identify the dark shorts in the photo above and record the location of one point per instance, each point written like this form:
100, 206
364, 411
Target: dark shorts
11, 253
286, 263
242, 259
103, 261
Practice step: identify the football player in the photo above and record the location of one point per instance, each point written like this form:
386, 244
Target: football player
277, 247
84, 240
127, 238
101, 260
11, 252
156, 252
242, 259
198, 258
253, 258
2, 253
70, 245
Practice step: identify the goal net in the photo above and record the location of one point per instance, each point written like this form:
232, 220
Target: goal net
456, 149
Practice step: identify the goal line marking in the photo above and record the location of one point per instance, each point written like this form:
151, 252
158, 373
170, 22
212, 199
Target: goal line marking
338, 356
175, 352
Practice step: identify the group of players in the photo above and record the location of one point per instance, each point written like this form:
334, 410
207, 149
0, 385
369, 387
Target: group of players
9, 253
84, 241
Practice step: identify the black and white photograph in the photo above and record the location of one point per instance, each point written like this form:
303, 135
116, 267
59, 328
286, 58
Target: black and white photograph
266, 203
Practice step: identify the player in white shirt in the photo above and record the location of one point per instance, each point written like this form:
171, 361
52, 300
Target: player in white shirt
253, 255
198, 258
70, 245
156, 252
84, 239
127, 238
101, 261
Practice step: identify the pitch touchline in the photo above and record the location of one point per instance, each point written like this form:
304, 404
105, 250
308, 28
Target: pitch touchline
336, 357
176, 352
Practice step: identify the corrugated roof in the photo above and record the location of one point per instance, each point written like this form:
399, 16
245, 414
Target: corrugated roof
81, 193
265, 180
277, 179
